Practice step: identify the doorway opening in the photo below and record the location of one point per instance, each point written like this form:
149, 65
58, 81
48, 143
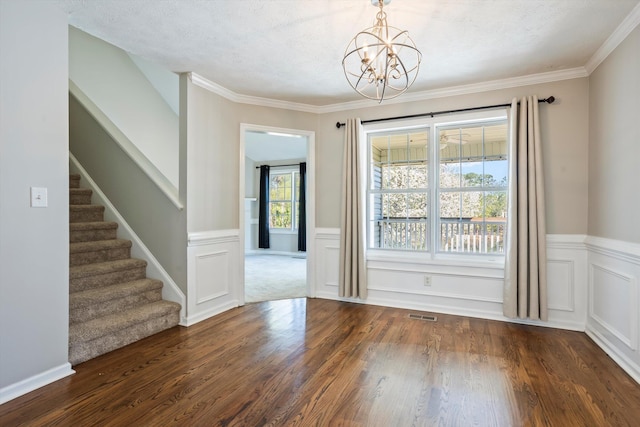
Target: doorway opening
277, 266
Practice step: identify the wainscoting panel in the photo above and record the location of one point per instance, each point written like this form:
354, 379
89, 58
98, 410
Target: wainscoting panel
210, 265
327, 250
212, 273
567, 281
418, 283
614, 300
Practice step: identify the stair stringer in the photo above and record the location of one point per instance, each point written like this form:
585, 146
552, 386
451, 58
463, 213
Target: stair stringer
170, 291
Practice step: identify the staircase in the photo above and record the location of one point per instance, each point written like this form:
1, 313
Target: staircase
111, 301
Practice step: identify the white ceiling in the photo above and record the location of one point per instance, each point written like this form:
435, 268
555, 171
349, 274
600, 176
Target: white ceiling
291, 50
262, 147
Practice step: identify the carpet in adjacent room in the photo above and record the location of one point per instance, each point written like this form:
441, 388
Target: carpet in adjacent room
271, 277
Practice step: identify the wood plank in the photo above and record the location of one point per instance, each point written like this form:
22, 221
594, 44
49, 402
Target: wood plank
319, 362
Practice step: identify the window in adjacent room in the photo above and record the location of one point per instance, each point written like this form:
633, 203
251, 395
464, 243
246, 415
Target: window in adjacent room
283, 200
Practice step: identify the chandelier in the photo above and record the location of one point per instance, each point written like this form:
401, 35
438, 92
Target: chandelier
381, 62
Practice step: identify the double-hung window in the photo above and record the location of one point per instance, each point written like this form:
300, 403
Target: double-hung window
439, 185
284, 200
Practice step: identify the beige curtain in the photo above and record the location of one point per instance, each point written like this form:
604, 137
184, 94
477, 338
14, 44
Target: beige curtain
353, 274
525, 287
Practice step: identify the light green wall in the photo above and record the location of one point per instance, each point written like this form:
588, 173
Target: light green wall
614, 143
34, 242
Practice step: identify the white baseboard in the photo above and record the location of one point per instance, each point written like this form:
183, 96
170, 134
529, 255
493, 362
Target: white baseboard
206, 314
455, 311
35, 382
624, 362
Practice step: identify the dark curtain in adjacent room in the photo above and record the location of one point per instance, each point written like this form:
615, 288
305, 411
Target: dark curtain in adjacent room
263, 216
302, 211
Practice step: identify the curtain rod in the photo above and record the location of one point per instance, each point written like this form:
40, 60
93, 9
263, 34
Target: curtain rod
548, 100
280, 166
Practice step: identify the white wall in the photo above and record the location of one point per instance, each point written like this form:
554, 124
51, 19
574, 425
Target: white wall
108, 76
34, 248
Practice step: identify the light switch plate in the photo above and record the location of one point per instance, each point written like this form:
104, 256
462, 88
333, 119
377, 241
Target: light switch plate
38, 197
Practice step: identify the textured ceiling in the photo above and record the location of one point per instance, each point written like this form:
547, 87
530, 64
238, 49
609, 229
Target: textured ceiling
291, 50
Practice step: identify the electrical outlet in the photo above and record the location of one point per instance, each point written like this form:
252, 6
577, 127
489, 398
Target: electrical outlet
427, 280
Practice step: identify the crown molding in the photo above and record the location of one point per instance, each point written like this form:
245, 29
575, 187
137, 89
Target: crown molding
551, 76
246, 99
620, 33
531, 79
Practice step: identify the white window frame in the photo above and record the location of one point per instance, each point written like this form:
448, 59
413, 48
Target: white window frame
294, 198
432, 254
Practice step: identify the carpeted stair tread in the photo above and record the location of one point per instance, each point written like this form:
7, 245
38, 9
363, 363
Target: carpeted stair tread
92, 231
120, 290
94, 303
98, 268
92, 225
99, 245
98, 251
80, 196
100, 274
96, 328
86, 213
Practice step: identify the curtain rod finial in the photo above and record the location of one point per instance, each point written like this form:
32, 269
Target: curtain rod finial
550, 99
339, 125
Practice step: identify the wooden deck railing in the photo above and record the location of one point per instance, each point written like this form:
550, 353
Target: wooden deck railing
468, 235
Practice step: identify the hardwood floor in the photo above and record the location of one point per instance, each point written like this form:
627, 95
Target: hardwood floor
324, 363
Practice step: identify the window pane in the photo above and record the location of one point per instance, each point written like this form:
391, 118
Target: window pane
449, 205
418, 147
472, 174
496, 173
417, 205
418, 176
280, 214
450, 175
472, 205
394, 177
494, 237
496, 205
395, 205
280, 187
